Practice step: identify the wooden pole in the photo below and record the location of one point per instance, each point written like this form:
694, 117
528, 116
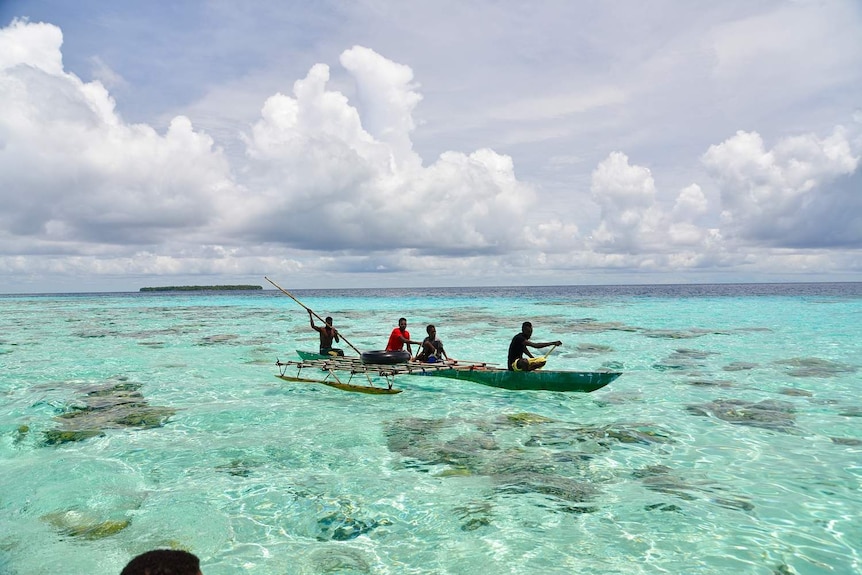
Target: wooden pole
290, 295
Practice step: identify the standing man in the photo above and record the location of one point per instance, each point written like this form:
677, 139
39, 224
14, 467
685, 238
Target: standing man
518, 348
327, 335
399, 337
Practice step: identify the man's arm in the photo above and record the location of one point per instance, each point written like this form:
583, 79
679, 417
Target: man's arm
544, 344
443, 353
311, 320
418, 344
409, 341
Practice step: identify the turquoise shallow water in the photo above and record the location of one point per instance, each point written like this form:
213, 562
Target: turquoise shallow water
731, 444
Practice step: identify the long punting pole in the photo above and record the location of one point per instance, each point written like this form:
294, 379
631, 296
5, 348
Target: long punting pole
290, 295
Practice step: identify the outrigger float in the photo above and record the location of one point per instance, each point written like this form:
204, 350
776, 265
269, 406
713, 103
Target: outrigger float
476, 372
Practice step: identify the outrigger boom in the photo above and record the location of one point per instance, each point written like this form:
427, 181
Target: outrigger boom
355, 366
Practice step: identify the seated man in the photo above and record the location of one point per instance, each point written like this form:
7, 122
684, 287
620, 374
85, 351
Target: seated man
432, 348
399, 337
518, 349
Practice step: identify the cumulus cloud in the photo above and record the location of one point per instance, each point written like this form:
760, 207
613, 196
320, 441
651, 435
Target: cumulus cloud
323, 181
626, 195
72, 171
331, 183
803, 191
778, 207
321, 174
635, 229
36, 45
386, 95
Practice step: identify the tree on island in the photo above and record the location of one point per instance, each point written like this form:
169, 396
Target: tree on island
203, 288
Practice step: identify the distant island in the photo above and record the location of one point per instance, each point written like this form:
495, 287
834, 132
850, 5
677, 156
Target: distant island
202, 288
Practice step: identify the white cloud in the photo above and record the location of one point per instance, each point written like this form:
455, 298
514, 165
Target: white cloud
387, 98
323, 182
793, 194
326, 179
789, 41
71, 169
626, 195
634, 223
556, 106
106, 76
690, 204
31, 44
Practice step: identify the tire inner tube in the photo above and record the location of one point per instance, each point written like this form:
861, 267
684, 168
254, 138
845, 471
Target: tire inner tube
385, 357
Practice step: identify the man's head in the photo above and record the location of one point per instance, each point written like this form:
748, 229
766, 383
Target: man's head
527, 329
402, 323
163, 562
329, 321
431, 329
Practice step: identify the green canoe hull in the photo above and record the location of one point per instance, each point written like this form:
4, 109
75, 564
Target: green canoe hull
566, 381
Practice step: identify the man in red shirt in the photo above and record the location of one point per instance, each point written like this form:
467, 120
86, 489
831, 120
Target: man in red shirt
399, 337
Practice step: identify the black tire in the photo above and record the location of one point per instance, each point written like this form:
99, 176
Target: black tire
385, 357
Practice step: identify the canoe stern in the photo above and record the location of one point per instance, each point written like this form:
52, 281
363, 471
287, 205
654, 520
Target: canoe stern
562, 381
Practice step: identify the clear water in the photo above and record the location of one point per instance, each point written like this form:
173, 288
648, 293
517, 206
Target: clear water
731, 444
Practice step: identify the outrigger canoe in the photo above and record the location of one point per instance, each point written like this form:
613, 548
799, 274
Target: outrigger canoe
539, 379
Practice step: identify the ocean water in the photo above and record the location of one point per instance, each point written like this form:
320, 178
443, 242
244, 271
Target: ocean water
732, 443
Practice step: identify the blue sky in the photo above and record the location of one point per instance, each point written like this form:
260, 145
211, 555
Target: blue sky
438, 143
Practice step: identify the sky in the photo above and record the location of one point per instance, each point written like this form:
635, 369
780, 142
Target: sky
383, 143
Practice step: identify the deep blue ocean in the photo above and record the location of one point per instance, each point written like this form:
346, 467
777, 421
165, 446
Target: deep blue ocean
732, 443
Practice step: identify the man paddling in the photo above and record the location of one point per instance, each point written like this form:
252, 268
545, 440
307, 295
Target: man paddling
518, 348
327, 335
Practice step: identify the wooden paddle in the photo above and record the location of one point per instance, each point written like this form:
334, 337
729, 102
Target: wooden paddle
540, 361
290, 295
553, 347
